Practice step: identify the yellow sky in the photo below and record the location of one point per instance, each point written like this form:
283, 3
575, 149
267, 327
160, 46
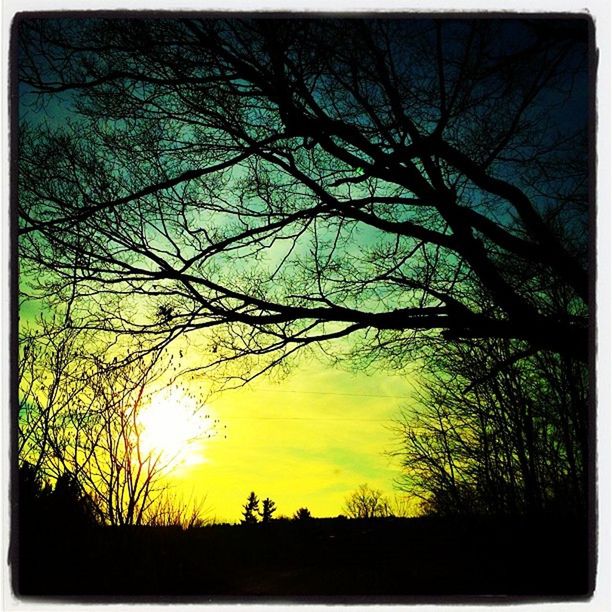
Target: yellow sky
307, 441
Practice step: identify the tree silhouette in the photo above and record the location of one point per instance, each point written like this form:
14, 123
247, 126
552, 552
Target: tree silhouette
250, 510
33, 493
367, 503
286, 183
169, 509
302, 514
62, 505
268, 507
495, 436
79, 422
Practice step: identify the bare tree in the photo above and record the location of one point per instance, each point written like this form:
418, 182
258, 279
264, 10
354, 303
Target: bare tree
50, 377
367, 503
80, 419
109, 456
288, 183
492, 434
169, 510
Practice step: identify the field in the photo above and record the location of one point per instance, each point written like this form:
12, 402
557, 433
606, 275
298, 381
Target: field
326, 559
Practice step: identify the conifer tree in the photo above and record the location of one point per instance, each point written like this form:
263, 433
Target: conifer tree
268, 508
251, 510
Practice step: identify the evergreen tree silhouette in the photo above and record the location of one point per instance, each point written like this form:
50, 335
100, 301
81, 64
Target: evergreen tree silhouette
268, 508
251, 509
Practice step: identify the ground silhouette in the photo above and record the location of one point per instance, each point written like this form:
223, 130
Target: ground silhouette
325, 558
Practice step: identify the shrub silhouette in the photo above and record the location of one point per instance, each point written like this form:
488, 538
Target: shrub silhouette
303, 514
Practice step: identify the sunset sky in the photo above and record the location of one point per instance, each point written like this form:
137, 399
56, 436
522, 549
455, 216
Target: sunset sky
309, 440
305, 439
177, 231
339, 264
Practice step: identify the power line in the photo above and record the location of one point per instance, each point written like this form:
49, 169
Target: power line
262, 418
334, 393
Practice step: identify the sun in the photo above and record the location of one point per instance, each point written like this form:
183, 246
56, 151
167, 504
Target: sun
173, 427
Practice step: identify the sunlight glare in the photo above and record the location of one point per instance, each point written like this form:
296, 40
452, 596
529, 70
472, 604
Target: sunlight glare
174, 426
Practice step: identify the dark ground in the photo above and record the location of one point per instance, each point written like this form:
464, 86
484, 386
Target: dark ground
324, 558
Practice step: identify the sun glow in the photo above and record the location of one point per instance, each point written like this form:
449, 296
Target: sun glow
174, 427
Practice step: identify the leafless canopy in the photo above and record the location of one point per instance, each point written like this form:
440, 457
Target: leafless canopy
282, 183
